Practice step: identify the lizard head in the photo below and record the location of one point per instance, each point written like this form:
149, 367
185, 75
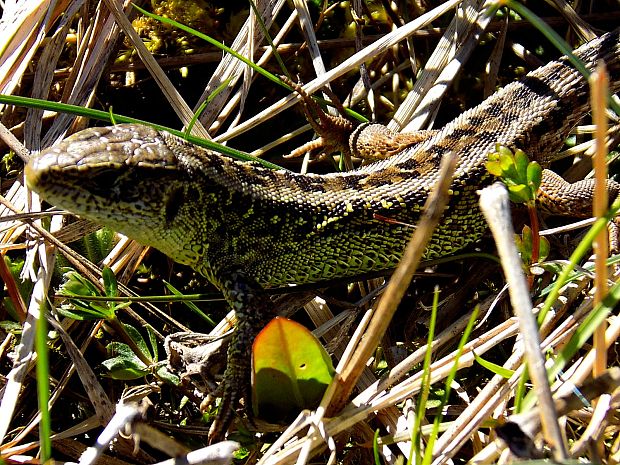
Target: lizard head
126, 177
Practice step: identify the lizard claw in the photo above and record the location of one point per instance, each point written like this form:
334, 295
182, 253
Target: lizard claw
333, 131
234, 387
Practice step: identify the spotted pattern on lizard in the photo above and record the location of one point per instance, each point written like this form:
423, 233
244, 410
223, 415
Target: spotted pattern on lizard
246, 227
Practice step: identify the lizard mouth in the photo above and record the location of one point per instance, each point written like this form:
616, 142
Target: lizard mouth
33, 176
42, 176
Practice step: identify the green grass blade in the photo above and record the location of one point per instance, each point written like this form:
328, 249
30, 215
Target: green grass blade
105, 116
43, 387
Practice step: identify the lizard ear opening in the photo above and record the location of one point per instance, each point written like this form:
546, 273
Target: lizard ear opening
173, 203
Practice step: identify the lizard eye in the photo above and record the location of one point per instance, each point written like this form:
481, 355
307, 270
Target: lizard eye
173, 203
102, 180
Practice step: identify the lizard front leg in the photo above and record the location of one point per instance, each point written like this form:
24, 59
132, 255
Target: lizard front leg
253, 309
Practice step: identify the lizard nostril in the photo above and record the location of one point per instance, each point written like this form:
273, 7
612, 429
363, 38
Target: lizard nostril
33, 177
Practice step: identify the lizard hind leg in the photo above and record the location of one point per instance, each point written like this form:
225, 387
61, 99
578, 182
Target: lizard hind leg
560, 197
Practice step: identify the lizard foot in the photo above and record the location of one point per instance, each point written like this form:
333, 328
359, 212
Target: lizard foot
333, 131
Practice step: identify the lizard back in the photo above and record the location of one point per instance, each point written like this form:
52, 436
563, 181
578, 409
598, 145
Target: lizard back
216, 213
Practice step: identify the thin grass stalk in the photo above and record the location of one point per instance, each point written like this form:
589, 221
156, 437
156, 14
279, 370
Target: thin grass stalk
599, 83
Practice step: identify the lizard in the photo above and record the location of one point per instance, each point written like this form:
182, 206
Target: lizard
247, 228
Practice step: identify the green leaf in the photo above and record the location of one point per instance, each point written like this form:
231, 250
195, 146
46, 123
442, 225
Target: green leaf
189, 304
109, 282
137, 338
494, 167
76, 285
519, 243
97, 245
526, 234
524, 244
291, 370
543, 251
152, 341
80, 313
519, 193
508, 167
521, 176
503, 150
494, 368
124, 364
521, 161
166, 375
534, 176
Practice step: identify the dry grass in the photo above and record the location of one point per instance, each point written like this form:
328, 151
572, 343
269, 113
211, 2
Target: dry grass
69, 54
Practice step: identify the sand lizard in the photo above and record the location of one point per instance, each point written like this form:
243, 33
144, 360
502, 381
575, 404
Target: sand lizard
246, 227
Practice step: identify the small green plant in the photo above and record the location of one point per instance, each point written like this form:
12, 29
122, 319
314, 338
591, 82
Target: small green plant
14, 266
131, 359
522, 178
78, 287
125, 364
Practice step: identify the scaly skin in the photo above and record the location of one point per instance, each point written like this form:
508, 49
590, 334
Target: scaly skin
239, 223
